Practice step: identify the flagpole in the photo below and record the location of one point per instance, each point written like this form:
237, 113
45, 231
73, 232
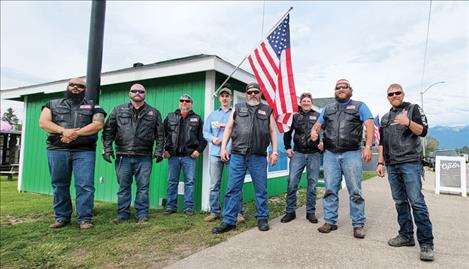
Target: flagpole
215, 94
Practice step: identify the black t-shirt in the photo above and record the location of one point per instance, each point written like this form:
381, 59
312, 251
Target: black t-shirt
418, 116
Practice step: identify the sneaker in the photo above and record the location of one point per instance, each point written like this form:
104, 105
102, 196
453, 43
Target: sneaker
211, 217
327, 228
118, 220
59, 224
223, 228
84, 225
189, 212
426, 253
311, 217
169, 211
240, 219
142, 220
288, 217
359, 232
399, 241
263, 225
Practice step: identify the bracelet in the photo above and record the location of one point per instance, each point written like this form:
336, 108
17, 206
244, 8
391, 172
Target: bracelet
408, 125
380, 164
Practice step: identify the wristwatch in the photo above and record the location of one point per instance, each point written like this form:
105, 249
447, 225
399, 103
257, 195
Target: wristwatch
379, 163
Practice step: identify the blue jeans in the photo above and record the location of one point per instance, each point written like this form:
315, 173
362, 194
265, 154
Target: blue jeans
216, 172
297, 164
348, 164
406, 188
61, 166
174, 168
257, 166
128, 166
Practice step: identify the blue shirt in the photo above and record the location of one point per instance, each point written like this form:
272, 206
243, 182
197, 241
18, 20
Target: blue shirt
364, 112
213, 130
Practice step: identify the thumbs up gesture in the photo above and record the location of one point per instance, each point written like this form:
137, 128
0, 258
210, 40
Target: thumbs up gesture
402, 118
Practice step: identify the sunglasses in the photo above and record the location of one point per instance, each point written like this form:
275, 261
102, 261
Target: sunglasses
341, 87
137, 91
184, 101
391, 94
79, 86
252, 92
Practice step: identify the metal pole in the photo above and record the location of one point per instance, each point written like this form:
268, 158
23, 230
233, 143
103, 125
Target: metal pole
95, 51
244, 59
421, 103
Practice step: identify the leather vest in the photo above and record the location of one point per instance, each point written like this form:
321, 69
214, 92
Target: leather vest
251, 132
343, 127
69, 116
302, 123
399, 143
182, 141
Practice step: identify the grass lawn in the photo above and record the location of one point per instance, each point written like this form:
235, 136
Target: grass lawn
27, 242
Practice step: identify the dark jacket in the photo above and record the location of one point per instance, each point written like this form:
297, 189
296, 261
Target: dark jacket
343, 127
400, 144
184, 135
302, 124
67, 115
251, 129
134, 132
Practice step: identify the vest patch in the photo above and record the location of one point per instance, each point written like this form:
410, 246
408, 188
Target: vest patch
194, 119
150, 113
85, 107
312, 117
262, 112
351, 107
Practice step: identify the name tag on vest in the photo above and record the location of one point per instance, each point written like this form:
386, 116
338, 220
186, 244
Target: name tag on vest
262, 112
351, 107
85, 107
312, 117
194, 119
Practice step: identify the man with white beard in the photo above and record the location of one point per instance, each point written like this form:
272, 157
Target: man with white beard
251, 128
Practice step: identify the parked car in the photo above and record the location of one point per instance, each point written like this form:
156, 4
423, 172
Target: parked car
442, 152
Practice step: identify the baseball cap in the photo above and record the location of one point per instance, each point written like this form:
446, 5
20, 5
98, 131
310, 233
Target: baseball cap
252, 85
342, 82
185, 97
226, 89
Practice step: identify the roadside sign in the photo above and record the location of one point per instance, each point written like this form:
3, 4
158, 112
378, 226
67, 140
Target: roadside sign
450, 175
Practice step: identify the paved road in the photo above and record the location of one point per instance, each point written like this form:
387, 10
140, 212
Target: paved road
298, 244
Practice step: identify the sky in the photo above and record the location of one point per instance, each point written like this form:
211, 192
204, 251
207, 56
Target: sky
372, 44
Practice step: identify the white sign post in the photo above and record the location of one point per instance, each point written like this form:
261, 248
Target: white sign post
450, 175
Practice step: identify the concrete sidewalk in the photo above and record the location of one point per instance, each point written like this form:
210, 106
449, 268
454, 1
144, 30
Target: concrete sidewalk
298, 244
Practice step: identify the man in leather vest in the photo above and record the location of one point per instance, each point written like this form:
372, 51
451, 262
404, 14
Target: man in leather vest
184, 143
72, 124
342, 122
305, 153
400, 149
134, 127
214, 127
251, 129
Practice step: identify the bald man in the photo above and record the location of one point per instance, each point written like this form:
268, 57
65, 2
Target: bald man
135, 128
72, 124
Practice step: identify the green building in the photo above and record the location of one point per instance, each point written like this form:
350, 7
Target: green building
165, 81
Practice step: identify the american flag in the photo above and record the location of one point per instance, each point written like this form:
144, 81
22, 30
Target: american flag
377, 123
272, 66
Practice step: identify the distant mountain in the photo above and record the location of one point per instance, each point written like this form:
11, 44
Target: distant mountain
451, 137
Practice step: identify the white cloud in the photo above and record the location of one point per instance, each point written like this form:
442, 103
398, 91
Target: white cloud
373, 44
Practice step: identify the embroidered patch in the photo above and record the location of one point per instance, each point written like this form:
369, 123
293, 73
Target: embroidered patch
351, 107
312, 117
194, 119
85, 106
262, 112
244, 109
150, 113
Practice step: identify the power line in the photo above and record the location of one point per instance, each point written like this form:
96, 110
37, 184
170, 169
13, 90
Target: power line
426, 45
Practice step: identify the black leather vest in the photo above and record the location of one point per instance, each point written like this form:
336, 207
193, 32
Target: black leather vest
182, 139
302, 123
343, 127
251, 132
399, 143
72, 116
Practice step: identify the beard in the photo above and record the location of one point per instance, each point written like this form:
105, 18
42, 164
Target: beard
76, 98
138, 98
337, 98
253, 102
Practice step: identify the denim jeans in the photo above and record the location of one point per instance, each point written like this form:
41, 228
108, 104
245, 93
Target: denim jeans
62, 164
297, 164
175, 164
128, 166
257, 166
406, 188
348, 164
216, 172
